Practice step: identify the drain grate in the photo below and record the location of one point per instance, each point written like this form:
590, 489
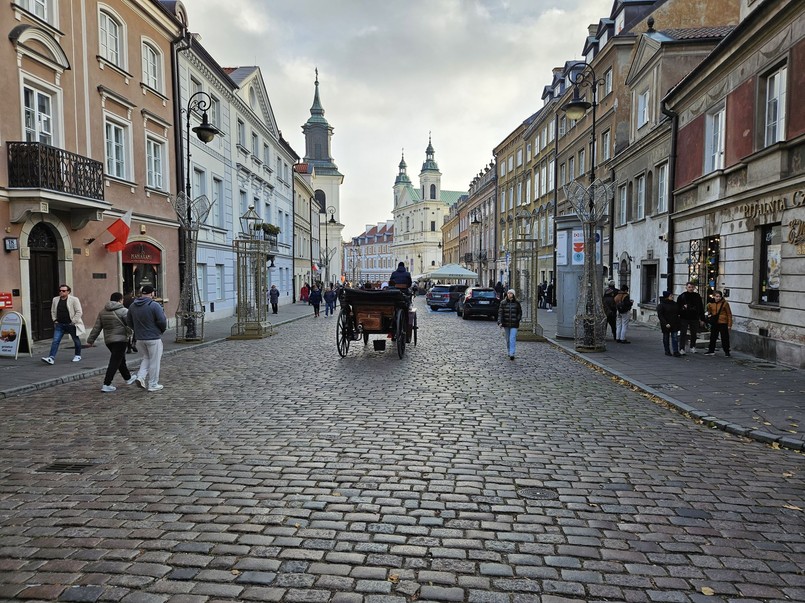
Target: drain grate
64, 468
538, 493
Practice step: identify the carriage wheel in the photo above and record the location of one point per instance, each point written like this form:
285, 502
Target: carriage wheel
343, 333
365, 338
402, 318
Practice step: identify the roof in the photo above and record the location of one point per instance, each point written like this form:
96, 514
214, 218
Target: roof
692, 33
238, 74
452, 197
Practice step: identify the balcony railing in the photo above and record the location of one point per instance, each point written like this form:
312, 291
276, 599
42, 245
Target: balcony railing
37, 165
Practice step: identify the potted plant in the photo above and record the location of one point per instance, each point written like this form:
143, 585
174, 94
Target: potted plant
270, 229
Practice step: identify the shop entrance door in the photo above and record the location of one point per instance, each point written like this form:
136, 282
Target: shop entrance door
44, 279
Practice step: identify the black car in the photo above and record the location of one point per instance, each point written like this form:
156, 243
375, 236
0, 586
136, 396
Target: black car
478, 301
444, 296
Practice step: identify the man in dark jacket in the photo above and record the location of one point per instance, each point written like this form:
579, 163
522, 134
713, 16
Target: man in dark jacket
401, 276
610, 308
691, 316
147, 318
668, 315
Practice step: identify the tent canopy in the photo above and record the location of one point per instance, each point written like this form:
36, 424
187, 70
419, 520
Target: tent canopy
452, 271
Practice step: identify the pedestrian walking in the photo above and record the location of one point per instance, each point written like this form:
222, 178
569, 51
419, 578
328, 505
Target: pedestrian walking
329, 301
315, 300
499, 290
623, 306
541, 295
668, 315
112, 321
720, 316
65, 310
691, 317
550, 302
510, 314
273, 298
609, 307
304, 293
147, 318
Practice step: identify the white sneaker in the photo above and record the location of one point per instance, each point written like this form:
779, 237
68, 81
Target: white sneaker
140, 381
132, 380
48, 360
682, 352
692, 350
155, 388
76, 358
108, 388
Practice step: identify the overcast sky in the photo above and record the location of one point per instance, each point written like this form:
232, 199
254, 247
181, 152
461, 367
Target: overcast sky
390, 71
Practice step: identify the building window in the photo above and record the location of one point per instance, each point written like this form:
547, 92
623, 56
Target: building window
201, 279
432, 191
562, 126
662, 188
511, 163
582, 168
608, 82
519, 193
622, 206
562, 175
714, 143
605, 144
775, 106
217, 211
551, 131
528, 191
519, 157
219, 281
543, 180
265, 154
771, 238
37, 7
642, 109
256, 145
511, 197
571, 169
551, 169
155, 163
111, 39
433, 225
38, 116
152, 67
640, 185
214, 112
648, 283
528, 152
116, 149
199, 184
241, 132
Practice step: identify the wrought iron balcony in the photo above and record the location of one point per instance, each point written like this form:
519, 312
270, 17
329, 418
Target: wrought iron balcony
37, 165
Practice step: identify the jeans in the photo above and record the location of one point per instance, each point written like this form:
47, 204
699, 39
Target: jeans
152, 358
329, 308
58, 332
674, 337
622, 324
691, 325
117, 361
511, 339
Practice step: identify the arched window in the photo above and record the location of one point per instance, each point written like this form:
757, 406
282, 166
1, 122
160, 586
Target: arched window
432, 191
112, 38
152, 66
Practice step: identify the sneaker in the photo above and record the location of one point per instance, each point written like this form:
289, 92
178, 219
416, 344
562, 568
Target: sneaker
677, 355
709, 353
155, 388
108, 388
48, 360
511, 357
667, 353
131, 381
692, 350
682, 352
76, 358
727, 354
140, 381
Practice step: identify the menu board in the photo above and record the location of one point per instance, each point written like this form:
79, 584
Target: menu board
13, 335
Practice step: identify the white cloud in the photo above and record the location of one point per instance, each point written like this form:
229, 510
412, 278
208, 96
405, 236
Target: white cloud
390, 71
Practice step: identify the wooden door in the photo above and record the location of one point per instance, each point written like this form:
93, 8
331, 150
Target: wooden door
44, 279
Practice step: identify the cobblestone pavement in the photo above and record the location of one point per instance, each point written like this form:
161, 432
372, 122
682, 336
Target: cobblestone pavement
274, 470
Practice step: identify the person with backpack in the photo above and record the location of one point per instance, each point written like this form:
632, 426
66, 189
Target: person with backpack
623, 306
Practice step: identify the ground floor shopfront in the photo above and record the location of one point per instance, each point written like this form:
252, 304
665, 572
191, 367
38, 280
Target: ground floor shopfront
752, 247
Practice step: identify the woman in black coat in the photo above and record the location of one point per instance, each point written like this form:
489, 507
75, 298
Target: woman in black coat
510, 314
314, 300
668, 315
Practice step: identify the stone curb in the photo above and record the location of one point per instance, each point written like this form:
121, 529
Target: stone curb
696, 414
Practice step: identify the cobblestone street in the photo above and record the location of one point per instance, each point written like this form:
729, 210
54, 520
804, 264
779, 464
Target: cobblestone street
273, 470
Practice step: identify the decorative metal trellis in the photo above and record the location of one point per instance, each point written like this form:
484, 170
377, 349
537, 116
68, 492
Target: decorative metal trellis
590, 205
253, 251
191, 213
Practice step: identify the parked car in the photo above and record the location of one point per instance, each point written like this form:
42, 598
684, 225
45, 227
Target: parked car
444, 296
478, 301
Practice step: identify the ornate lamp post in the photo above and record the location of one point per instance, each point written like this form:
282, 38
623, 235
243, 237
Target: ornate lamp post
476, 227
590, 204
191, 213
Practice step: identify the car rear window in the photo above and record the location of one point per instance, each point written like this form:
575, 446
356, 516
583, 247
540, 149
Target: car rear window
440, 289
484, 294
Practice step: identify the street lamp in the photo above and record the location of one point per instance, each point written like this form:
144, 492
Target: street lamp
331, 212
188, 314
590, 318
476, 226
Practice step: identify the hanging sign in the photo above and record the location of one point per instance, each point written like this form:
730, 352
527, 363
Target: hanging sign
5, 299
577, 252
561, 248
13, 335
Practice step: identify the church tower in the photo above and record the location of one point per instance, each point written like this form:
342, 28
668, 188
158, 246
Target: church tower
430, 178
402, 181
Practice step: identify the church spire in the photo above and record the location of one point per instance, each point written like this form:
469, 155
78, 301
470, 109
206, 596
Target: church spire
430, 163
317, 137
402, 176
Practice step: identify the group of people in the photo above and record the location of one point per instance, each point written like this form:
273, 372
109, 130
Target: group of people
143, 321
680, 319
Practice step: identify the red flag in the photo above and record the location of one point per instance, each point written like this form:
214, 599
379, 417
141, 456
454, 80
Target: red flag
119, 229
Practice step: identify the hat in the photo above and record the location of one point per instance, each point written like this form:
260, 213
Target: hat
511, 291
147, 289
666, 293
611, 283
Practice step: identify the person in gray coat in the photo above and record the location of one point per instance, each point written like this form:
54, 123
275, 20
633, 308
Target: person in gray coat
112, 321
147, 318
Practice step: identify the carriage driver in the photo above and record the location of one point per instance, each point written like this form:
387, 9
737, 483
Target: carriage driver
401, 277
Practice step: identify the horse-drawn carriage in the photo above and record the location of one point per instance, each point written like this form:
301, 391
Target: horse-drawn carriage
365, 312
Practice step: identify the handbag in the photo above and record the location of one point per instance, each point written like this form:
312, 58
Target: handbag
129, 330
714, 318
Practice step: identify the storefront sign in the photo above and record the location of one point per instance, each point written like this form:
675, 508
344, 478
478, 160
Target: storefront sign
141, 253
796, 235
5, 300
763, 207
